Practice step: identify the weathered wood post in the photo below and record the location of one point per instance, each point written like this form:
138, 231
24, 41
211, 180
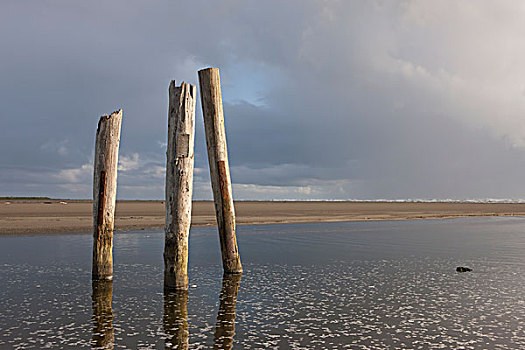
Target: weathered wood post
104, 193
179, 183
225, 327
211, 99
103, 337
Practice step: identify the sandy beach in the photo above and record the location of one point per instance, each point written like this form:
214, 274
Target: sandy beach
74, 216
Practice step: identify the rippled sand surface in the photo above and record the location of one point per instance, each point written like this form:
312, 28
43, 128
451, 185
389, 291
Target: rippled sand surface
333, 285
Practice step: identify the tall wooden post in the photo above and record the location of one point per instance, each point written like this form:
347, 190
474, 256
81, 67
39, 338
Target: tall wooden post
104, 193
179, 183
211, 99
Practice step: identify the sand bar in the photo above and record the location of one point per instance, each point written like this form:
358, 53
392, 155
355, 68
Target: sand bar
74, 216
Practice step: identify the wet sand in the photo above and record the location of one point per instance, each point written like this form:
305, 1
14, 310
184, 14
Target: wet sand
74, 216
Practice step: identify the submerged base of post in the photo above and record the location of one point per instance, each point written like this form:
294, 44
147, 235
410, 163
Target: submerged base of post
103, 257
175, 277
232, 266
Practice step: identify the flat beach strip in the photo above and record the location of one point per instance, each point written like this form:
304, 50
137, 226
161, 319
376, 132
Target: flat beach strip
74, 216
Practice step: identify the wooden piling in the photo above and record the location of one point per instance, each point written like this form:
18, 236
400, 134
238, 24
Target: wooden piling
179, 183
211, 99
104, 193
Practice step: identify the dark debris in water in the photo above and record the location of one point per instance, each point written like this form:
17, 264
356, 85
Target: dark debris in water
463, 269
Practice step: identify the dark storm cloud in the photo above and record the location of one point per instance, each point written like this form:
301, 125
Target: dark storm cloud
323, 99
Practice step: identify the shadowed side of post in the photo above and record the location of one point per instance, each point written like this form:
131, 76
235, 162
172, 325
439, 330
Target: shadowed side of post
104, 193
179, 183
211, 99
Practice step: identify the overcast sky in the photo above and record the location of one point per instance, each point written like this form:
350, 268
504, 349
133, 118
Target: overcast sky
323, 99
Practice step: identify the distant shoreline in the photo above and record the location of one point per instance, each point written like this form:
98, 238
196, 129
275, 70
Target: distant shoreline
55, 216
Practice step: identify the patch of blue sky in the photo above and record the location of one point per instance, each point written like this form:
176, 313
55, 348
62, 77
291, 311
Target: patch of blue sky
249, 82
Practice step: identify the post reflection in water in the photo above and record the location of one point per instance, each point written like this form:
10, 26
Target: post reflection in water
101, 298
175, 319
225, 327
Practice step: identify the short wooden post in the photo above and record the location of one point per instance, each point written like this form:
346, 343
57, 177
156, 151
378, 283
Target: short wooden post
225, 327
101, 297
104, 193
211, 99
175, 320
179, 183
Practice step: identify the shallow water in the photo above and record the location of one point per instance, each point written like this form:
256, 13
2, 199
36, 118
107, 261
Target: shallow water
338, 285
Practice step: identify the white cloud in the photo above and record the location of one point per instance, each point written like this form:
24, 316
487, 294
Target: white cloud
470, 59
156, 171
76, 189
76, 175
198, 171
461, 59
127, 163
304, 190
60, 147
314, 190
